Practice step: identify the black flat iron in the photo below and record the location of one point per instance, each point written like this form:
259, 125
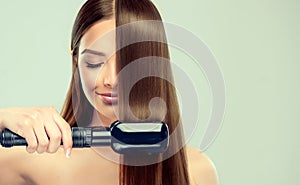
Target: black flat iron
124, 138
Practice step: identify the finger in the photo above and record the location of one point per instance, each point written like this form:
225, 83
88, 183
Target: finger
31, 141
54, 134
42, 138
66, 133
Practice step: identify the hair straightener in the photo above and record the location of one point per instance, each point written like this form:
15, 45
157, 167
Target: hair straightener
124, 138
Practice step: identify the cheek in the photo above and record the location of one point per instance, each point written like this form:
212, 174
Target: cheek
88, 78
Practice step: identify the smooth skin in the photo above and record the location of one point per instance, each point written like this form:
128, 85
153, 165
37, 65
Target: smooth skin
45, 162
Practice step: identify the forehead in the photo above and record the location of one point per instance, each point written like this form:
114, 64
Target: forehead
100, 35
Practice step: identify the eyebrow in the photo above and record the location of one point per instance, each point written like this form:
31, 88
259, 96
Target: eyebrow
93, 52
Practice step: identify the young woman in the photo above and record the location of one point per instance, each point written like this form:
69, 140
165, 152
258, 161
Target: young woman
93, 101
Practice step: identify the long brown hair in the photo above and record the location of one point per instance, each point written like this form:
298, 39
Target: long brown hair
172, 170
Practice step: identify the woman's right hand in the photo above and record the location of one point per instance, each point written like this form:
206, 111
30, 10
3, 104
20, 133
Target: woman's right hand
42, 127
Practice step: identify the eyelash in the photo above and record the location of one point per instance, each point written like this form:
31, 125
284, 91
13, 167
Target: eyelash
89, 65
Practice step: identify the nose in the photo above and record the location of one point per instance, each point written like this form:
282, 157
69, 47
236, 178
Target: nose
109, 73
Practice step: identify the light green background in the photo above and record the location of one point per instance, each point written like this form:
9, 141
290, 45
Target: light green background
257, 45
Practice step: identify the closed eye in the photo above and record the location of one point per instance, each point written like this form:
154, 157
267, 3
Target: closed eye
90, 65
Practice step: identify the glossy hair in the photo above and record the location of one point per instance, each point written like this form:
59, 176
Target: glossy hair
172, 170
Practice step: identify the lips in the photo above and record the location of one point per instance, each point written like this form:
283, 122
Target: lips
108, 98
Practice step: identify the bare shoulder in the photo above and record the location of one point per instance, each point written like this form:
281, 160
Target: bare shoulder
19, 167
11, 162
201, 168
9, 158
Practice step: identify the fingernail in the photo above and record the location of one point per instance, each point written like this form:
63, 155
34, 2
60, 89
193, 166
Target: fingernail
68, 152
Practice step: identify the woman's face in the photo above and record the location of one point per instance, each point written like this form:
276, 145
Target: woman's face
97, 68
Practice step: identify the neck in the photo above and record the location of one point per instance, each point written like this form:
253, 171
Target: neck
106, 152
99, 119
